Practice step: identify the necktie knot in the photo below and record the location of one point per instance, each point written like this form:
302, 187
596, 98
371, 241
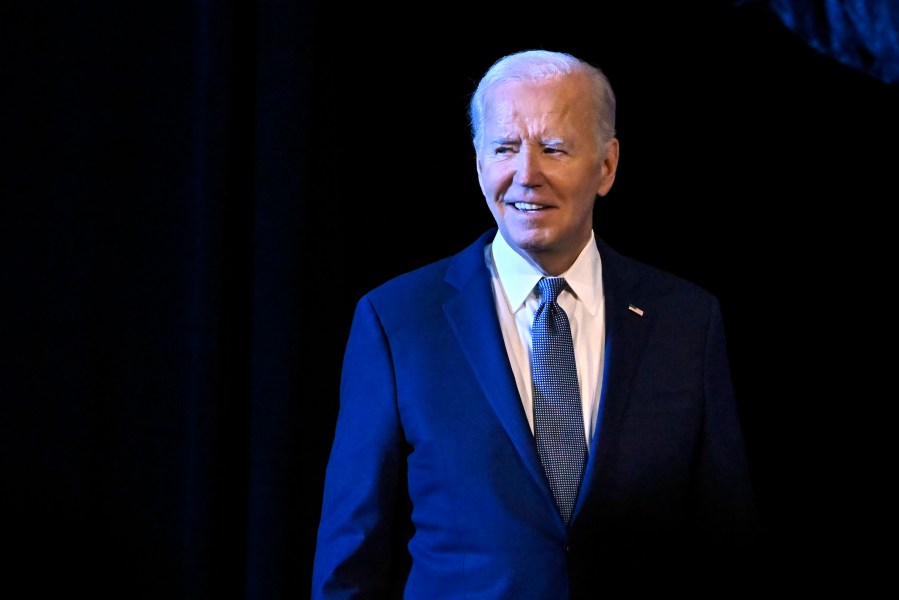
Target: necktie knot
550, 288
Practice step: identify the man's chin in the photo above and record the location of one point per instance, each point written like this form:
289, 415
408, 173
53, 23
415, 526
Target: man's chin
532, 241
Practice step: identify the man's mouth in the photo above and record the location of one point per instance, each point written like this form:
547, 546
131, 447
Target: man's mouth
525, 206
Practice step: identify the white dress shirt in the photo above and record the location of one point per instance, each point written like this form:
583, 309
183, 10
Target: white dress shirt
514, 281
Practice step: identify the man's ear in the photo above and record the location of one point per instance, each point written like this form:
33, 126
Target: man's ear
609, 167
477, 164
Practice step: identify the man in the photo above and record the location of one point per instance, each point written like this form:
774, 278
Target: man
439, 485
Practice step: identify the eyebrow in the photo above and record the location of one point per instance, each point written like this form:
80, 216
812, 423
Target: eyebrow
506, 141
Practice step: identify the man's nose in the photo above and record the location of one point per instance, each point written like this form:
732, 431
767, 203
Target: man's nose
527, 171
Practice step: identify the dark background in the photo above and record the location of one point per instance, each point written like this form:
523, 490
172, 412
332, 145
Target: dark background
183, 180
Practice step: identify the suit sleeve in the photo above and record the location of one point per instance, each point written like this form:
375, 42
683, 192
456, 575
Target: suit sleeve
727, 505
360, 548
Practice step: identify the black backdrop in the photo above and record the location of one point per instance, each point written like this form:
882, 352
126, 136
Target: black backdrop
183, 179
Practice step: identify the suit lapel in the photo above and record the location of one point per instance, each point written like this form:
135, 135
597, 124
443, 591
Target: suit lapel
625, 335
472, 317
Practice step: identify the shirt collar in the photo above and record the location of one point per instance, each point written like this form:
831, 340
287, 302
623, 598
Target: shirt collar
518, 277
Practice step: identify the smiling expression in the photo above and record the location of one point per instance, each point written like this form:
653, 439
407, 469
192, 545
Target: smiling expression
540, 167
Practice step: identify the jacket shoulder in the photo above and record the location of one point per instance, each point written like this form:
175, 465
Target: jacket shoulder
433, 281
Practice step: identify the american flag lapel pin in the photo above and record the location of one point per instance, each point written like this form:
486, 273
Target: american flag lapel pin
635, 309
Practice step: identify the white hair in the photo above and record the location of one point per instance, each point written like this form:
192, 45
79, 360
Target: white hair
537, 65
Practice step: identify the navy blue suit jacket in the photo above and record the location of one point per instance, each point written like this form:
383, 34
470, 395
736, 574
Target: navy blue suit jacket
434, 488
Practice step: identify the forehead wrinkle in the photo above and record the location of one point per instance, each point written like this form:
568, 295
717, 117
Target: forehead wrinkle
538, 129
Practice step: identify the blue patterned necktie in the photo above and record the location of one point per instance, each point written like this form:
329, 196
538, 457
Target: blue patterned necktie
558, 417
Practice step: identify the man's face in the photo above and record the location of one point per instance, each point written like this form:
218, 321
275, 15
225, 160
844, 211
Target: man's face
540, 169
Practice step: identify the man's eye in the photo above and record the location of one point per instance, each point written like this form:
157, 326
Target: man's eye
503, 149
551, 150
